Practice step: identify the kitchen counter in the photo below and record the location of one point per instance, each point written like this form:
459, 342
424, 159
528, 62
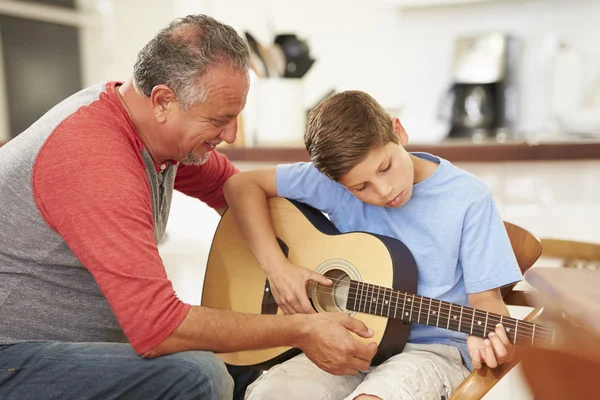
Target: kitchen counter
452, 150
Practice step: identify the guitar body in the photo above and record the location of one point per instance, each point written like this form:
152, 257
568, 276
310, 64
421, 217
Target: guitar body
235, 280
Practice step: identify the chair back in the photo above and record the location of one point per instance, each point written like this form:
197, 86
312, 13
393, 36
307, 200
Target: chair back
527, 249
572, 254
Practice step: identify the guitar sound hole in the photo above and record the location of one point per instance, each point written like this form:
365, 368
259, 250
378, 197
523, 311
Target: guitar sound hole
332, 298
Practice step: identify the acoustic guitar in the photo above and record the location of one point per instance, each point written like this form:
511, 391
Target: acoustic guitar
374, 280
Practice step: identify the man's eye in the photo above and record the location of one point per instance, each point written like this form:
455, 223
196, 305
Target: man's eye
219, 122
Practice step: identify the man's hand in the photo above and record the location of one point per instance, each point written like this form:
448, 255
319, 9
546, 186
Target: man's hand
332, 348
288, 285
493, 351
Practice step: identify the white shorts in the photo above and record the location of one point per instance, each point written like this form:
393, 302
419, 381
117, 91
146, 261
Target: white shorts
421, 371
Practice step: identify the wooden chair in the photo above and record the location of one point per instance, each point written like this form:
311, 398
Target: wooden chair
572, 254
527, 249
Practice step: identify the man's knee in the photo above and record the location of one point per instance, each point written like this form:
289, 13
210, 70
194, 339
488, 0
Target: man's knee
200, 374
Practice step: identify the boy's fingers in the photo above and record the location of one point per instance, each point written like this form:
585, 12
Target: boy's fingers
316, 277
501, 332
500, 351
476, 359
489, 356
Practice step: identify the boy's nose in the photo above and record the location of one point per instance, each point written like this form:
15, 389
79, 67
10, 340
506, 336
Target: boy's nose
383, 189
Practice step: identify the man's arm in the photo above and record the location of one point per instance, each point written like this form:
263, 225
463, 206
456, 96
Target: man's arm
324, 338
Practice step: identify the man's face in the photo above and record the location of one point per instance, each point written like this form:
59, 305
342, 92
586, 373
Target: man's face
385, 177
197, 131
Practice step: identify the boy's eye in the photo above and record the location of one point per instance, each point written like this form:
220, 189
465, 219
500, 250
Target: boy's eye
387, 168
363, 187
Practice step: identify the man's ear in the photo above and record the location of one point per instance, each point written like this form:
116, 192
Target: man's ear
162, 99
400, 132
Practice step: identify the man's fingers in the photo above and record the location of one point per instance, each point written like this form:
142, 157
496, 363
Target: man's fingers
358, 364
358, 327
365, 352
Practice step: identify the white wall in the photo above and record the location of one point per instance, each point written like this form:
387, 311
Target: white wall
404, 57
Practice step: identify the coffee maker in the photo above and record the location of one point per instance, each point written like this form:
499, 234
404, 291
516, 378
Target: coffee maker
482, 100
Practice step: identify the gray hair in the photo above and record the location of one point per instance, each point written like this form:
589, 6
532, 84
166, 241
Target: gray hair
181, 53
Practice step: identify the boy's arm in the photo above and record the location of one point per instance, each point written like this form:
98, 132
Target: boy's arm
247, 194
496, 349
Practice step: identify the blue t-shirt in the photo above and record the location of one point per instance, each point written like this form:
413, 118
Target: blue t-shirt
450, 225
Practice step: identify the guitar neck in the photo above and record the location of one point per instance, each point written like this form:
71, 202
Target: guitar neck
377, 300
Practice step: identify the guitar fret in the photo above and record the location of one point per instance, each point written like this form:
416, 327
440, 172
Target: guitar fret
370, 296
357, 297
487, 314
379, 297
429, 312
387, 302
396, 308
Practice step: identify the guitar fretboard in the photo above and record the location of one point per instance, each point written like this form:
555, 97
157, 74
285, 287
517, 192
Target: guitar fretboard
378, 300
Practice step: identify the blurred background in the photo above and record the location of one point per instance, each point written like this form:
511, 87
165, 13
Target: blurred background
474, 69
506, 89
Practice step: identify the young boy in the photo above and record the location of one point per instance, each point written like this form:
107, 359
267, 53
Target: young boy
364, 179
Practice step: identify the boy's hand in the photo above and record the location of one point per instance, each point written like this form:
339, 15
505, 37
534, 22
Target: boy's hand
493, 351
288, 285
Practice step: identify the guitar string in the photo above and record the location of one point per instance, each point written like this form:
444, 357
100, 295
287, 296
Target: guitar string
468, 312
525, 330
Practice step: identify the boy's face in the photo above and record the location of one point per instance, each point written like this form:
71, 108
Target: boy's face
385, 177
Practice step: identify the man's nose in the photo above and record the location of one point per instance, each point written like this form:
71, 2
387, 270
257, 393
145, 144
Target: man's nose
229, 132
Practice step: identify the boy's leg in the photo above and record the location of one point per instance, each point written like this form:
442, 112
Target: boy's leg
300, 379
420, 372
59, 370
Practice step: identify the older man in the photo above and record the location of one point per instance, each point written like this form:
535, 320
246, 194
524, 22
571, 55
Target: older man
86, 309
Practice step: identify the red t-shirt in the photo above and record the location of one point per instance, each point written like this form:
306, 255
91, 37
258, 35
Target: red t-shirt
90, 184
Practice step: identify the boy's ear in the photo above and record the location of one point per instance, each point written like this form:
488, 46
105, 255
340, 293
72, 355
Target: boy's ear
400, 132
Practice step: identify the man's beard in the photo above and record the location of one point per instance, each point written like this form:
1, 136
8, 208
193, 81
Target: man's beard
194, 159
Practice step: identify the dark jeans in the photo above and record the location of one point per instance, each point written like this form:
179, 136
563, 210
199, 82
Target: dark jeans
59, 370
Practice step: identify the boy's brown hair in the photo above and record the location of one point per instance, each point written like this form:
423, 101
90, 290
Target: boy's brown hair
342, 130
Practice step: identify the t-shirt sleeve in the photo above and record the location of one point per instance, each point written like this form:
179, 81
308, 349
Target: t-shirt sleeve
304, 183
93, 191
486, 255
205, 182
